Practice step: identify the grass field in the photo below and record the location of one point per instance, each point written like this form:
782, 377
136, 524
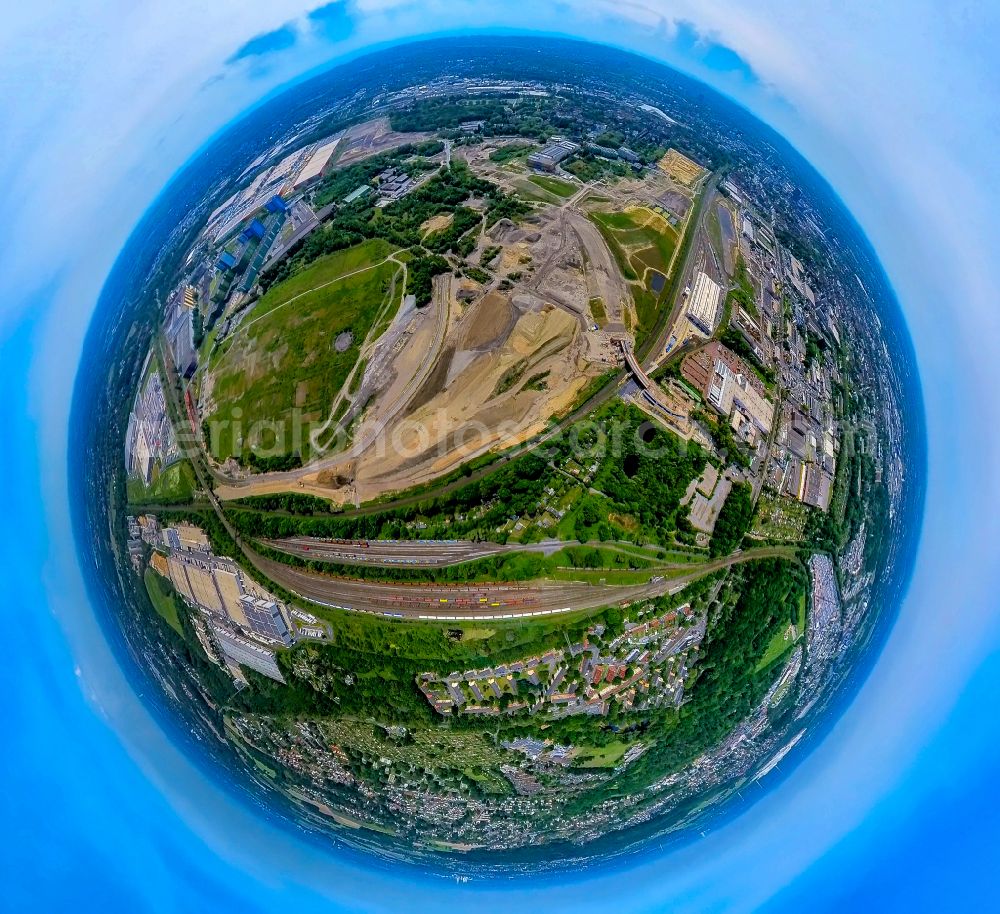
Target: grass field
602, 756
645, 238
619, 252
643, 243
324, 270
780, 645
283, 358
554, 186
526, 190
646, 310
174, 485
511, 152
162, 599
715, 230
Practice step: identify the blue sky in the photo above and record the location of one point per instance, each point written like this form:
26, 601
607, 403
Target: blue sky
895, 105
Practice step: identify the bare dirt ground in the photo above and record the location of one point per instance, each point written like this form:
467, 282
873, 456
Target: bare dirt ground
486, 403
370, 138
436, 224
486, 322
485, 365
498, 373
682, 168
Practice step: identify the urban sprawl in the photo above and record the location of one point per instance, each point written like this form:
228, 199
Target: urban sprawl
440, 256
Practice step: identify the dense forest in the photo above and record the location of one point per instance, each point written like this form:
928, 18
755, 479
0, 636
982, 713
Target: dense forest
647, 474
733, 521
642, 472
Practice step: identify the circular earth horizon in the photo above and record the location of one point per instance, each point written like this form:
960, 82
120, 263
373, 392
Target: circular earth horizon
501, 462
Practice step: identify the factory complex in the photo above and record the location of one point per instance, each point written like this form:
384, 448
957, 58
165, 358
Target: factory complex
245, 621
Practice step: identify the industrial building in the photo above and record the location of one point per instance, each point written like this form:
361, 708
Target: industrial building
187, 296
255, 229
140, 457
796, 273
361, 191
393, 184
179, 331
267, 238
603, 151
276, 205
187, 537
703, 304
731, 386
150, 440
817, 486
316, 165
261, 191
810, 484
217, 586
246, 653
732, 394
549, 158
264, 618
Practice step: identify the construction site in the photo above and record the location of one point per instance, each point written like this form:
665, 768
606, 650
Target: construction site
532, 314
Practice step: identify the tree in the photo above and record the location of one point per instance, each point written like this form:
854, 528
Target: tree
733, 520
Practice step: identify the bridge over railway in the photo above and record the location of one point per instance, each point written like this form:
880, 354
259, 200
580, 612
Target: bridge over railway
650, 390
633, 364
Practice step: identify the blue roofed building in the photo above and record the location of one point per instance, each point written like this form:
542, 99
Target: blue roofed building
226, 261
255, 229
276, 205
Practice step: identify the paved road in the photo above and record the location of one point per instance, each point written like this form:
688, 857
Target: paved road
487, 600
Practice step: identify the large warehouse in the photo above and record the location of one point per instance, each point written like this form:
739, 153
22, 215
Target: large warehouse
316, 164
550, 157
703, 305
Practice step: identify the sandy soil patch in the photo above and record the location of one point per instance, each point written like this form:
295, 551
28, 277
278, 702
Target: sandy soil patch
436, 224
487, 322
515, 257
465, 417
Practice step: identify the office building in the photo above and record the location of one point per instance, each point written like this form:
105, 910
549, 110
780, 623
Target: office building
246, 653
